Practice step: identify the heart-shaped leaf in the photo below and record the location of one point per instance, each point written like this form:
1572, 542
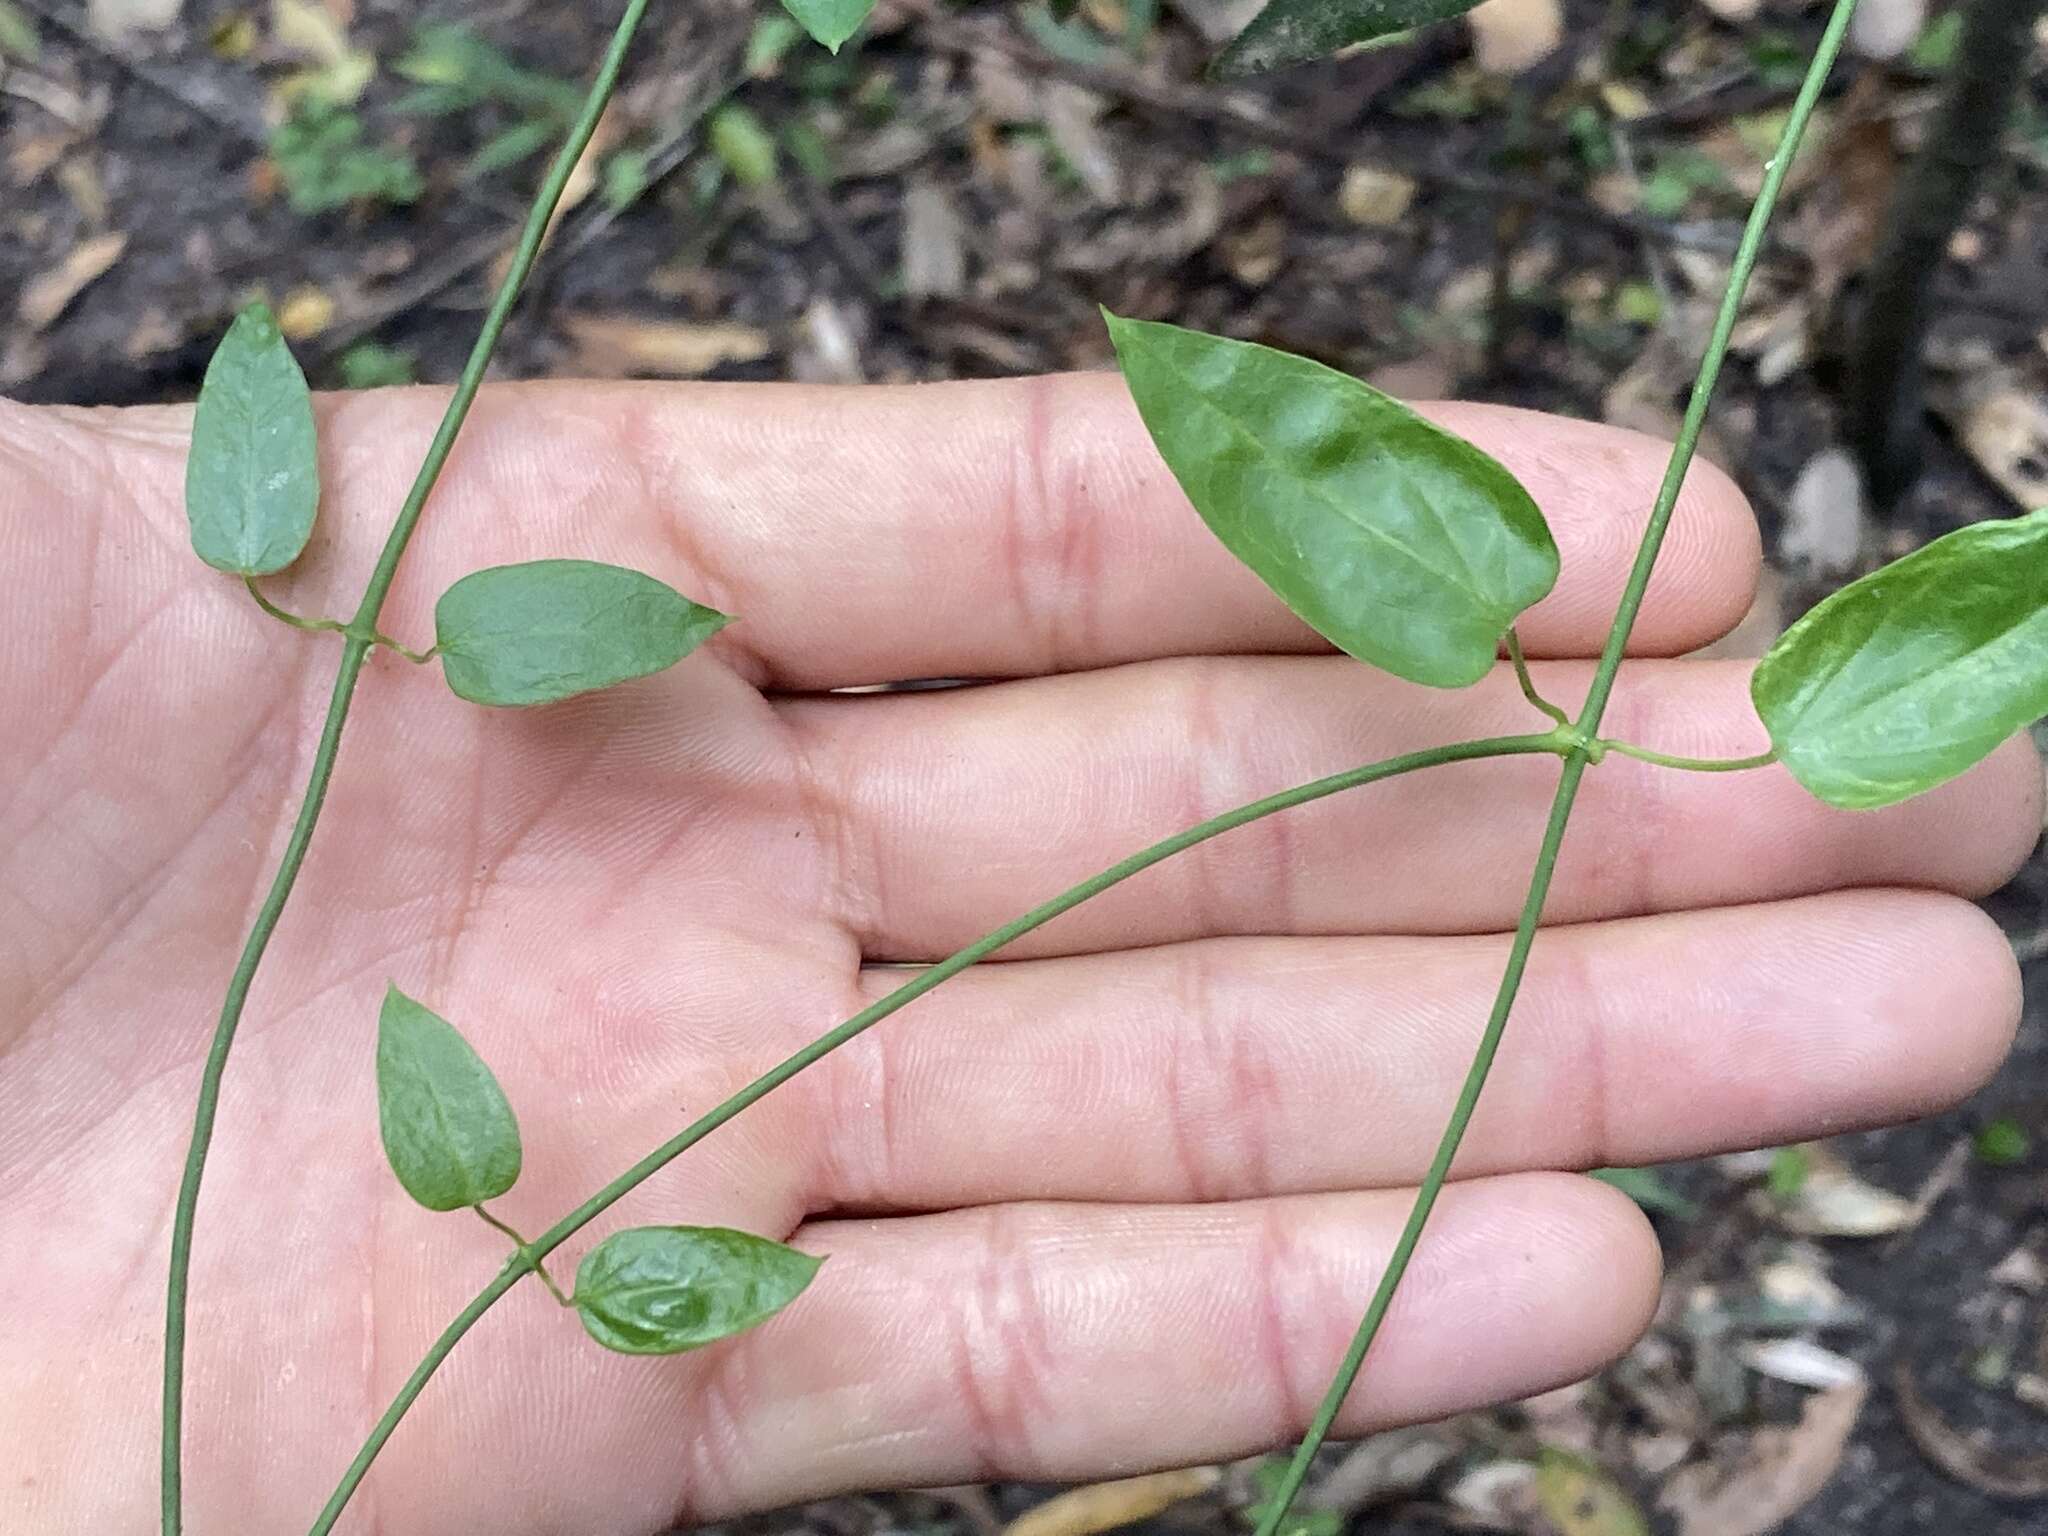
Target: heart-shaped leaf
662, 1290
1396, 541
252, 482
1295, 31
830, 22
551, 629
448, 1131
1909, 677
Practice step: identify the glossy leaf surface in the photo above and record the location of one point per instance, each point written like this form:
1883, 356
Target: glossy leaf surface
252, 482
1399, 543
551, 629
1909, 677
662, 1290
1296, 31
448, 1131
830, 22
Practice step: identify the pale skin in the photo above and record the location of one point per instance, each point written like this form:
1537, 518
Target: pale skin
1112, 1204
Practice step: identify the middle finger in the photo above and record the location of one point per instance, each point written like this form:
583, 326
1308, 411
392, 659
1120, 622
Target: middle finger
949, 813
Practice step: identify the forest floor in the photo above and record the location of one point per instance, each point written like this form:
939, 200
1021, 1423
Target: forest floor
953, 196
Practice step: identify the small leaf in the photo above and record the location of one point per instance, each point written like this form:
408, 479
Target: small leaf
1295, 31
662, 1290
1911, 676
551, 629
448, 1131
252, 482
831, 22
1649, 1189
1396, 541
1581, 1500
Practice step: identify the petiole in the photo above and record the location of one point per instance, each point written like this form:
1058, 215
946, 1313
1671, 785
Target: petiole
336, 627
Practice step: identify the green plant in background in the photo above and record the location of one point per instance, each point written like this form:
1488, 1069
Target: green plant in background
454, 72
326, 163
1401, 544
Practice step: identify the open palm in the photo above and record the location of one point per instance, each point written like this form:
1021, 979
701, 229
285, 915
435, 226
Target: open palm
1114, 1202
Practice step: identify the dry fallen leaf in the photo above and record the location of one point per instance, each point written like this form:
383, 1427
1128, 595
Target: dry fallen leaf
116, 20
48, 294
1388, 1466
1961, 1457
610, 346
1509, 36
1800, 1362
1107, 1506
1779, 1473
934, 242
1581, 1500
2004, 425
305, 313
1825, 516
1884, 29
1376, 198
1831, 1201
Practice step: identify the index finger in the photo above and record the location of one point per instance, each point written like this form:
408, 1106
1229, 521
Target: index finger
1002, 529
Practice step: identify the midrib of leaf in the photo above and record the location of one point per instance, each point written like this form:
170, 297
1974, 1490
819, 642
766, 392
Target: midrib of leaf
1860, 714
1245, 434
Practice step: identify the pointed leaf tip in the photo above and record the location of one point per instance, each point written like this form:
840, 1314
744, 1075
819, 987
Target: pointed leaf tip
1393, 539
448, 1131
830, 22
252, 478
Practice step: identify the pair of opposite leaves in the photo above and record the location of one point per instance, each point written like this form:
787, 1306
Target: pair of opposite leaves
523, 634
1415, 552
452, 1139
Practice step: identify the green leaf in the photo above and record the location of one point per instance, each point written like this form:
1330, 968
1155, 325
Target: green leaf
1267, 1477
1295, 31
831, 22
1399, 543
252, 482
1649, 1189
551, 629
560, 627
2003, 1143
448, 1131
320, 154
662, 1290
744, 144
1909, 677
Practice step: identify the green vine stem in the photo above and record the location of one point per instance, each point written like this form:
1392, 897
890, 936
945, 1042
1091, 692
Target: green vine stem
1587, 733
1550, 742
336, 627
355, 649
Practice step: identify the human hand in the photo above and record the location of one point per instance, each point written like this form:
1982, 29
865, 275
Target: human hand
1114, 1202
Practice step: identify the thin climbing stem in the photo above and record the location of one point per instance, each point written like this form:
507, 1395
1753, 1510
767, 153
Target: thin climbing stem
1529, 690
925, 981
354, 651
1586, 731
